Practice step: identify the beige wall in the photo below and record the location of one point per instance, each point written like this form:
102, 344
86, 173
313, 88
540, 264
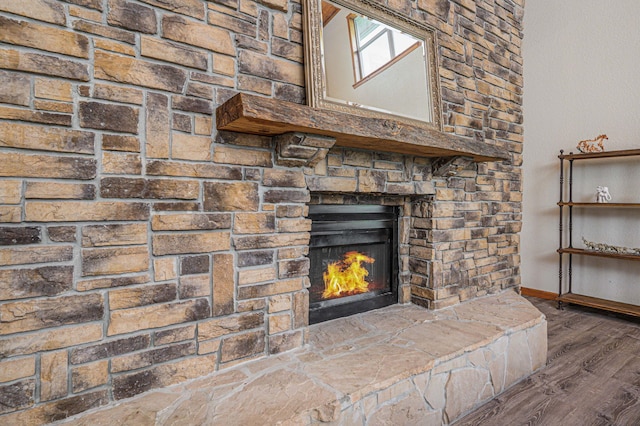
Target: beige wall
582, 73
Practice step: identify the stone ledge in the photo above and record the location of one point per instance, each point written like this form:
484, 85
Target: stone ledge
397, 365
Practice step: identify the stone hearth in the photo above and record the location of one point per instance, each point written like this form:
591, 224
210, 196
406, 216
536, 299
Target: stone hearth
395, 365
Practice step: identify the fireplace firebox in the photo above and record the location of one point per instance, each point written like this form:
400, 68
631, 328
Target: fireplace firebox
354, 259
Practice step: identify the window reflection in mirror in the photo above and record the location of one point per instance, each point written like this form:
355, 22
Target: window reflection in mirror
376, 46
363, 58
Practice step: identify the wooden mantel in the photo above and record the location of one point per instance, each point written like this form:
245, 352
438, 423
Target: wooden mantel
270, 117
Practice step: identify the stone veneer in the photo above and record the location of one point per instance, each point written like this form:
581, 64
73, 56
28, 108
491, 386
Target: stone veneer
140, 247
377, 368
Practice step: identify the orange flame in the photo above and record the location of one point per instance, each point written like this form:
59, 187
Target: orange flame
346, 277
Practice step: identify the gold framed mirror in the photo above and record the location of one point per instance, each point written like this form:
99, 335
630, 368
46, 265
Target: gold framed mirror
365, 59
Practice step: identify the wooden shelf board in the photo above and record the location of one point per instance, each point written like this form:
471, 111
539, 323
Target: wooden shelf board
606, 154
600, 205
598, 253
595, 302
270, 117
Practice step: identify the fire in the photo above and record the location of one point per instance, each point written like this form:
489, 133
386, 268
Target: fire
346, 277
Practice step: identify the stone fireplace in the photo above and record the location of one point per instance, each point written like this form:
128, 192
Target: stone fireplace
158, 178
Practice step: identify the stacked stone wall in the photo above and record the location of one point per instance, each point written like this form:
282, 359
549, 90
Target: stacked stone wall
139, 247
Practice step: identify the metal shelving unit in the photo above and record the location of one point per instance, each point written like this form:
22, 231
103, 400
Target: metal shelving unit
566, 251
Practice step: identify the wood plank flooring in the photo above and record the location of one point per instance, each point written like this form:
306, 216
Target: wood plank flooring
592, 375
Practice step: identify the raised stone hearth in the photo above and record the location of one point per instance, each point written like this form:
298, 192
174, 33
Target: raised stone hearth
400, 365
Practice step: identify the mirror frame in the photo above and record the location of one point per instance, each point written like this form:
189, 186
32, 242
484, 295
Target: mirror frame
315, 69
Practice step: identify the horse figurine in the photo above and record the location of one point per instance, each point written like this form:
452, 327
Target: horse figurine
592, 145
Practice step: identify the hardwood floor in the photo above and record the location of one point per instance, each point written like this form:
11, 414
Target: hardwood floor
592, 375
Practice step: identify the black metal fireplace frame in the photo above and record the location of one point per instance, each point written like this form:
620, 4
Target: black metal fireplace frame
344, 222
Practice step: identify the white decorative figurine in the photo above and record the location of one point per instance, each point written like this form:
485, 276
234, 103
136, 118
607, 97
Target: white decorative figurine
602, 194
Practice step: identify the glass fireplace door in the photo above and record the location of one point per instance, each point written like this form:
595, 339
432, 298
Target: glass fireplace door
353, 256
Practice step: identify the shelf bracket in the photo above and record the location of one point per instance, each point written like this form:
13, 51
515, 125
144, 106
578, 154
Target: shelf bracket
450, 166
296, 149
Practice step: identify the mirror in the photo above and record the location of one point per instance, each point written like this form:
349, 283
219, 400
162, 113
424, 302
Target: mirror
368, 60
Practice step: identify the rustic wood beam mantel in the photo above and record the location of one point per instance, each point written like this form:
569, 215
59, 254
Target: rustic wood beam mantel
271, 117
